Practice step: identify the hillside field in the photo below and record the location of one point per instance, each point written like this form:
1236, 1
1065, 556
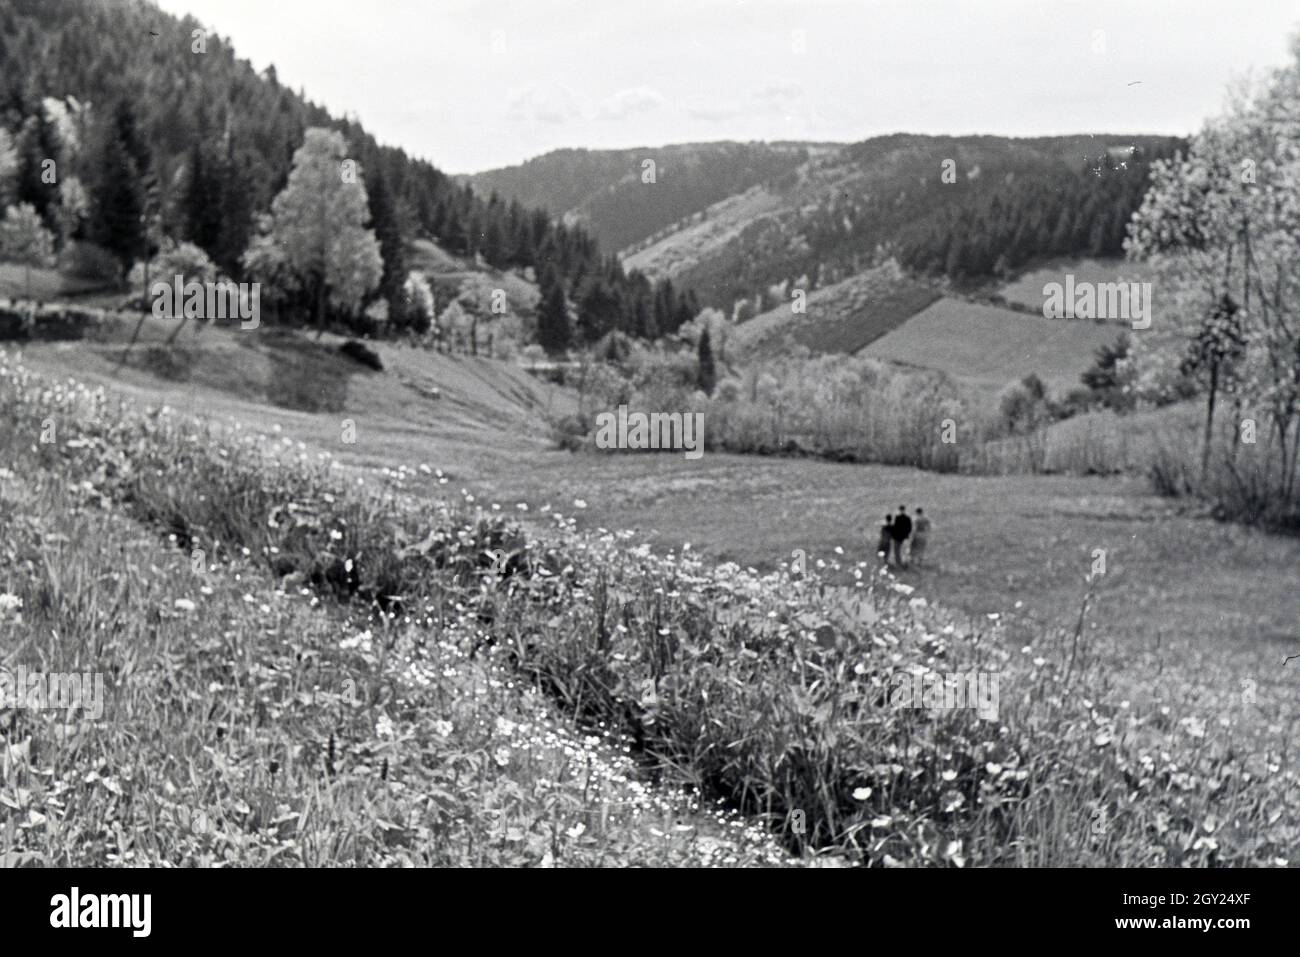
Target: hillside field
987, 347
845, 317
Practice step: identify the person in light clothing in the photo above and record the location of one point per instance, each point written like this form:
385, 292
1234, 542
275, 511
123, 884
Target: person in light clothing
920, 536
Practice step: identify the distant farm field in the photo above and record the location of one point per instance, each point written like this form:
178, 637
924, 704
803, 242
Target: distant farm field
845, 317
987, 347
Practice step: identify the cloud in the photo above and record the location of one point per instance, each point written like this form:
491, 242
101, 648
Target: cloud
553, 104
624, 103
778, 92
712, 109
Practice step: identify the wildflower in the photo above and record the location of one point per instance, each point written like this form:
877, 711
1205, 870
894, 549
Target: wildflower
861, 794
953, 853
442, 728
950, 801
184, 604
502, 756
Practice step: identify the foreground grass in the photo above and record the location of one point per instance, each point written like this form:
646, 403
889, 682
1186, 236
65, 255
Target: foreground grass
770, 693
246, 723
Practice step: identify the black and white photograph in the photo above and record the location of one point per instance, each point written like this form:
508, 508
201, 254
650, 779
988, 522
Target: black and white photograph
689, 435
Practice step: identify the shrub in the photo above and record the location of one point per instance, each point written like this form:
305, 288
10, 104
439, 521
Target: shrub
360, 352
87, 261
569, 432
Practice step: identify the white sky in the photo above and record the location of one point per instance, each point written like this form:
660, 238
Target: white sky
474, 84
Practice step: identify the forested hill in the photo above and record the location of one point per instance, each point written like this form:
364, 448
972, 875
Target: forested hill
198, 143
606, 190
971, 208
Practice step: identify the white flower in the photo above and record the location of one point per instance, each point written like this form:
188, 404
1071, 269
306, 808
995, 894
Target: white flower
184, 604
442, 728
502, 756
861, 794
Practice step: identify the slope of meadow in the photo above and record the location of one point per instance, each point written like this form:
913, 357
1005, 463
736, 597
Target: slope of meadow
845, 317
282, 379
247, 723
987, 347
770, 693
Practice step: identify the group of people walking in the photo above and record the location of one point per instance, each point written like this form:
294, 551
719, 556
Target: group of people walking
896, 533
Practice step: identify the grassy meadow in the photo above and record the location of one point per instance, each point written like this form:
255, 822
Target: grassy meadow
357, 597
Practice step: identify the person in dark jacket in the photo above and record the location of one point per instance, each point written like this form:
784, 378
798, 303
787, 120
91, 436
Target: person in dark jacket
901, 529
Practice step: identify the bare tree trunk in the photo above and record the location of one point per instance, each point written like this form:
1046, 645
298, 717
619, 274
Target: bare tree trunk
1209, 423
320, 308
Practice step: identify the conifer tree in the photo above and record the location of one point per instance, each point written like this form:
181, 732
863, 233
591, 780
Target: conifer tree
707, 377
553, 329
